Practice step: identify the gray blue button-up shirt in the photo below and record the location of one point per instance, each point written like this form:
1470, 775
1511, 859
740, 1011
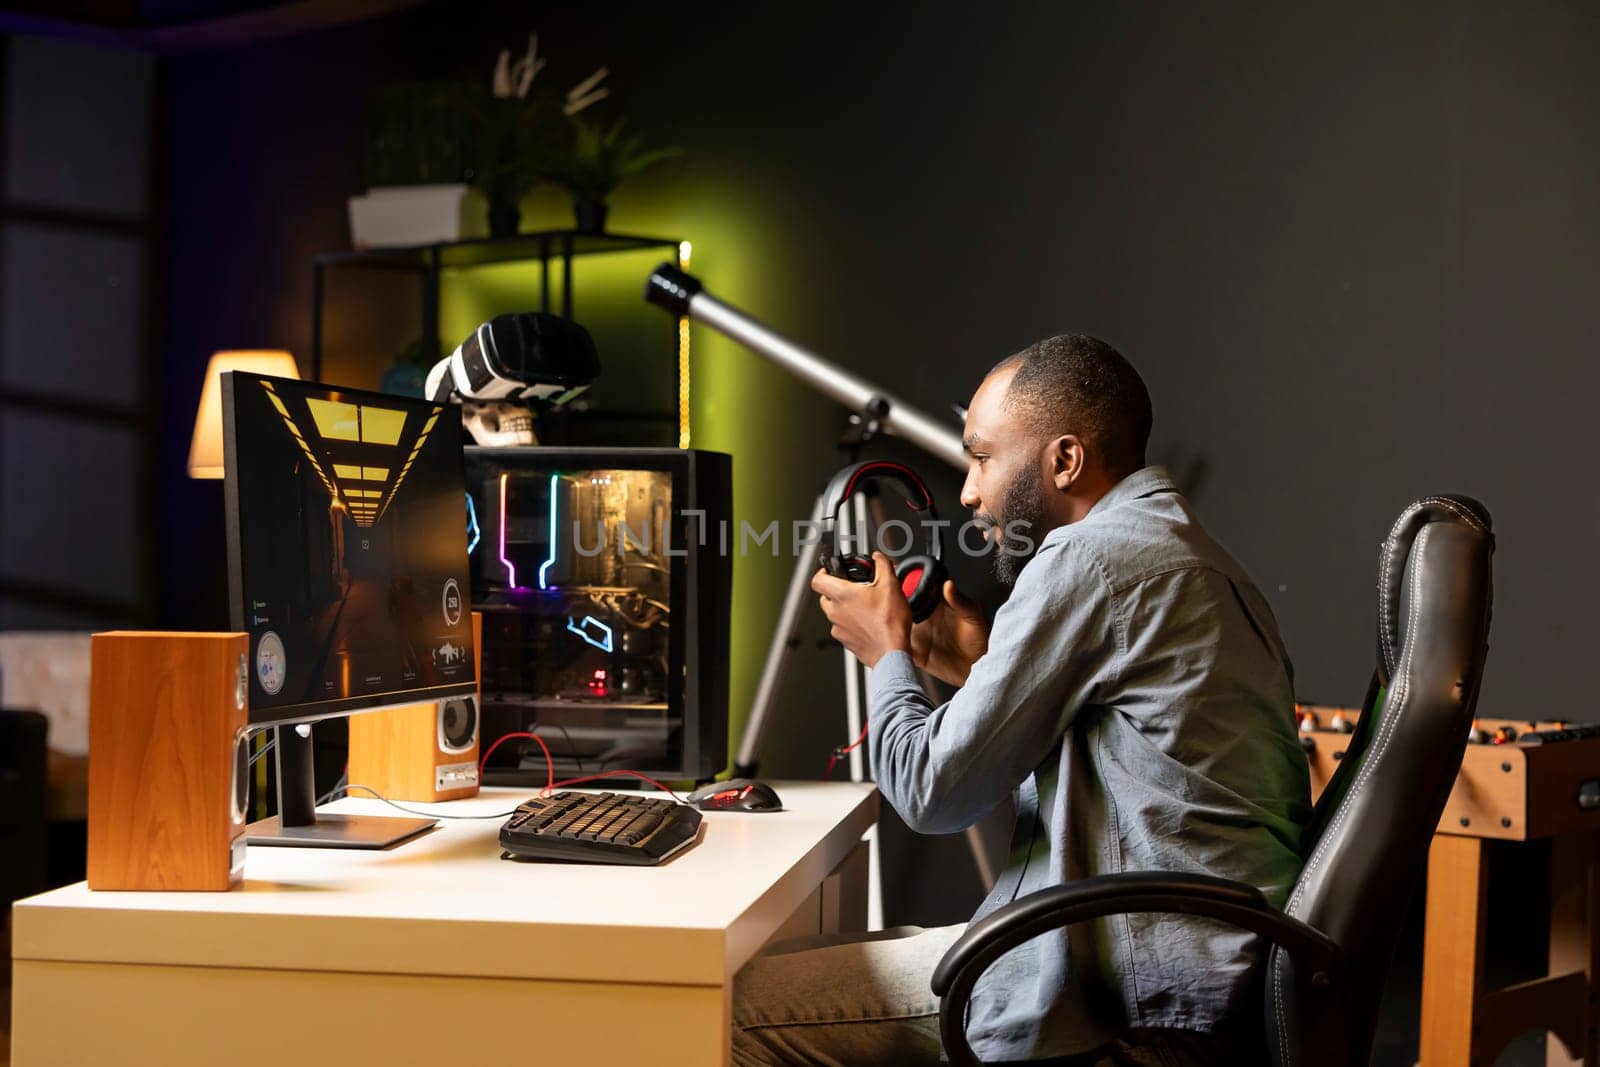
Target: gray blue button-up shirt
1136, 704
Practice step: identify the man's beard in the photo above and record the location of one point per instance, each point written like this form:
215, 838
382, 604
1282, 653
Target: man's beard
1022, 508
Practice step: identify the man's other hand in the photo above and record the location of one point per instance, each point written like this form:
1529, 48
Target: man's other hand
947, 643
871, 620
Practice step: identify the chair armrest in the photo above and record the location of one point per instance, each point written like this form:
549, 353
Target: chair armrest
1113, 894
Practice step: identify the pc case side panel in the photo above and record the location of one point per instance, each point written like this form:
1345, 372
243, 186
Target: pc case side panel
710, 577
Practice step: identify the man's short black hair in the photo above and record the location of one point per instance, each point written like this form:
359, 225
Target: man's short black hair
1077, 384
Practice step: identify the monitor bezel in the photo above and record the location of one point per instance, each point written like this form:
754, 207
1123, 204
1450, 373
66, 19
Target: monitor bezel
289, 714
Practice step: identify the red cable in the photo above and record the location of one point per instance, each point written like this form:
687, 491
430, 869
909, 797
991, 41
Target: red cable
549, 764
614, 774
843, 751
550, 767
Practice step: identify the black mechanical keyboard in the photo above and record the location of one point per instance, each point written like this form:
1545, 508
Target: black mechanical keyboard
598, 828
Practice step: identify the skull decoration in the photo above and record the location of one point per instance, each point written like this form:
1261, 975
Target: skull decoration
498, 423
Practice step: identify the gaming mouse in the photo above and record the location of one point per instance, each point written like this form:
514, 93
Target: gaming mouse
736, 794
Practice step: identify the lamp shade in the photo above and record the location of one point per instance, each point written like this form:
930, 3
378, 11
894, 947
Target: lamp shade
205, 447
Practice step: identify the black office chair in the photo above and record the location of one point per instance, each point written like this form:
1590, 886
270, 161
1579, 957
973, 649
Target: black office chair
1367, 843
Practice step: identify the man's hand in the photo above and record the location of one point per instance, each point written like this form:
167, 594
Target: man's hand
947, 643
870, 620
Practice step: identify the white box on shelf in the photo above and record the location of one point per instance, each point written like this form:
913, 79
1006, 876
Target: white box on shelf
406, 215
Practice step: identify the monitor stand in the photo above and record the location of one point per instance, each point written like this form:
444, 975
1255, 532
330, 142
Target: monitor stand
297, 821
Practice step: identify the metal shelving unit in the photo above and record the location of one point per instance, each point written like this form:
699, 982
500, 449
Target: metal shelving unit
549, 248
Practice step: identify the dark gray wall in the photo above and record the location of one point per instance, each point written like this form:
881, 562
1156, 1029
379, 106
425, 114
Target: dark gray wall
1353, 251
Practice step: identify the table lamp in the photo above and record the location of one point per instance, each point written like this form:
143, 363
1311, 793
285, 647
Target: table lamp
205, 447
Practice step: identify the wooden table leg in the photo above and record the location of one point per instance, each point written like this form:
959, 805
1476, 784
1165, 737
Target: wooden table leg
1575, 936
1452, 954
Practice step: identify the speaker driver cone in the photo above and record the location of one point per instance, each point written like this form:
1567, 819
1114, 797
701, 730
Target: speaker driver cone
458, 723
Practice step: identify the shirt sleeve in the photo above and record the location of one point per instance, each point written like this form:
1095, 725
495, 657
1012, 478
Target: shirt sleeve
1052, 644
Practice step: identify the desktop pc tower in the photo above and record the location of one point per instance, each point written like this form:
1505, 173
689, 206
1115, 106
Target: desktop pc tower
604, 579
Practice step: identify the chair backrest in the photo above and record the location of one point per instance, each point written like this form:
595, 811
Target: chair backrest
1367, 844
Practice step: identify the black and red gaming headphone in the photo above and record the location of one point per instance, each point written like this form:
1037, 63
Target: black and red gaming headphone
922, 576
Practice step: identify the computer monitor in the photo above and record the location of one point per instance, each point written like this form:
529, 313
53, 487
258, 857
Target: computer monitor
604, 578
347, 567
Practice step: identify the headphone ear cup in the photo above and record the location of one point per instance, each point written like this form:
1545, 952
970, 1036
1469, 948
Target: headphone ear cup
922, 580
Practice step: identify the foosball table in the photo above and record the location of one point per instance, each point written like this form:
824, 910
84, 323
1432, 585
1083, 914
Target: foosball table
1520, 780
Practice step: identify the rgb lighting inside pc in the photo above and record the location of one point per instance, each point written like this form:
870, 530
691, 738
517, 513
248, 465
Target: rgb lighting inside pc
583, 552
604, 614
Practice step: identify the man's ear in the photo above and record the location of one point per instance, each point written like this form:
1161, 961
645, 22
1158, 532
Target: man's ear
1066, 459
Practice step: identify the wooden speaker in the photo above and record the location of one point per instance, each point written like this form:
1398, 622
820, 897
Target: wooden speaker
422, 752
168, 760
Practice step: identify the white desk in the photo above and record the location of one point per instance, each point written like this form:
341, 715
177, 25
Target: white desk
436, 952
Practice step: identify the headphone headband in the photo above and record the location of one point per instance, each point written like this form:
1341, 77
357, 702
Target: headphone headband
921, 577
885, 470
844, 484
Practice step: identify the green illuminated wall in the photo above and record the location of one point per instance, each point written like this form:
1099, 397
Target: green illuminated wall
739, 403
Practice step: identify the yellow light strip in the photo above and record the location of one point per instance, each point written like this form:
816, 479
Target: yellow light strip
683, 382
683, 360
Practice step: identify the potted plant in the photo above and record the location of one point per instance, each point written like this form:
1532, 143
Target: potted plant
507, 134
415, 167
506, 124
513, 129
597, 159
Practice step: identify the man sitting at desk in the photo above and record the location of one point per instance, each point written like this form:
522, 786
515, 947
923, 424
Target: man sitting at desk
1133, 697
